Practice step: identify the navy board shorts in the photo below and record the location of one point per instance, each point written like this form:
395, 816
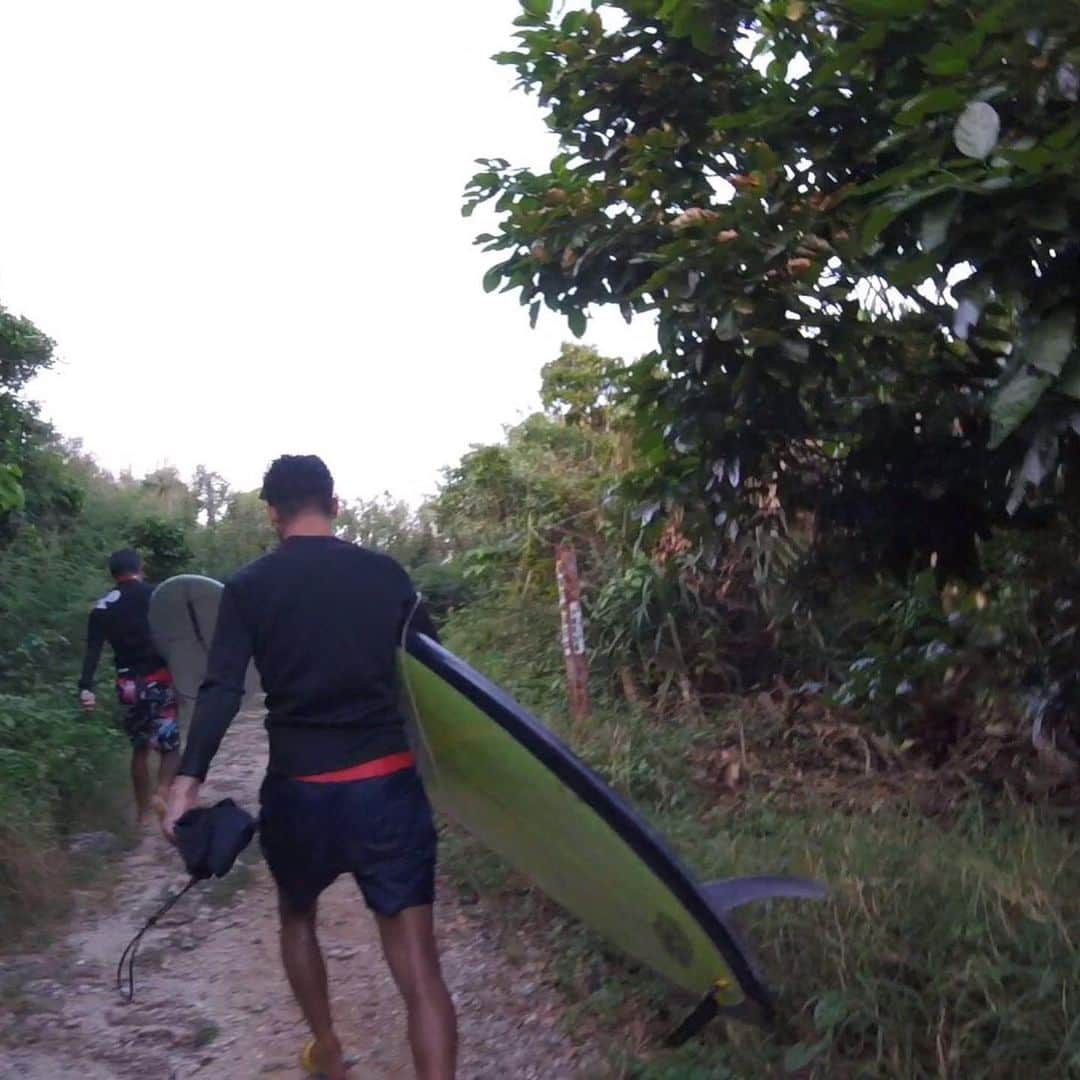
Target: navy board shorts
380, 830
150, 714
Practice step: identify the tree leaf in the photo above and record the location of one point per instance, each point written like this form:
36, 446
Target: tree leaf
493, 279
830, 1010
573, 21
887, 8
1039, 461
1050, 342
940, 99
1069, 383
12, 496
936, 219
578, 322
952, 58
876, 221
977, 131
801, 1055
1013, 403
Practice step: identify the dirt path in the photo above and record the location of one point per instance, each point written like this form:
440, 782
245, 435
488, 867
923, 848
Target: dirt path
211, 999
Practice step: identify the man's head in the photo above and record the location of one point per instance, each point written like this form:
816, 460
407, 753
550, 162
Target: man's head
299, 494
124, 564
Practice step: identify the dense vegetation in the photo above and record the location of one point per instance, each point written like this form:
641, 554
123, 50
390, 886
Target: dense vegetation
856, 226
61, 773
827, 530
830, 540
882, 745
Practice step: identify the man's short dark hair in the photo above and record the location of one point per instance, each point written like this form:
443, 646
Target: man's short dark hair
125, 561
295, 483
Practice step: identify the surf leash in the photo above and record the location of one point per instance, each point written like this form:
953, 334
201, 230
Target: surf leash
714, 1004
210, 839
130, 954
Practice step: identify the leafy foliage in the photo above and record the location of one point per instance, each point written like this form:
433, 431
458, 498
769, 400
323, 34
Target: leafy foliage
164, 546
24, 351
855, 225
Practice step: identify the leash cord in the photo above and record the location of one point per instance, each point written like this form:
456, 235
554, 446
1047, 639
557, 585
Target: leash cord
132, 951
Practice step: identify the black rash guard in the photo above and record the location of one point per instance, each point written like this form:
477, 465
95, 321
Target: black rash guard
120, 618
323, 619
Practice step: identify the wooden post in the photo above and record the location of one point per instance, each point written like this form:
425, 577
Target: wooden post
573, 631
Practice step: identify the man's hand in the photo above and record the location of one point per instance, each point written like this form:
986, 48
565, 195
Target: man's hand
87, 700
183, 796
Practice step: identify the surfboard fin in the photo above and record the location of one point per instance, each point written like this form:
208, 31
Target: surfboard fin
725, 896
731, 893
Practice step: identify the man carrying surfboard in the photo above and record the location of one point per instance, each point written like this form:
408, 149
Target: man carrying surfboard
322, 619
143, 683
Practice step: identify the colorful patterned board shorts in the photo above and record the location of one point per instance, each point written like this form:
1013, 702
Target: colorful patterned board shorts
150, 719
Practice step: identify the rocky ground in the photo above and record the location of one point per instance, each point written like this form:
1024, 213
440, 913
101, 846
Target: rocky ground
211, 999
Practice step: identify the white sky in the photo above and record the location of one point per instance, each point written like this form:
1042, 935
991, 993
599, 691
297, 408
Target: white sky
240, 221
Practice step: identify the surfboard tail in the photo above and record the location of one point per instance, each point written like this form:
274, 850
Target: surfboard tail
724, 897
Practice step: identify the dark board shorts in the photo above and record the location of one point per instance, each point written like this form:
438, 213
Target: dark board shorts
379, 830
150, 715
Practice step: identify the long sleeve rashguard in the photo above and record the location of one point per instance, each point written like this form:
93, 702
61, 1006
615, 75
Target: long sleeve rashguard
121, 618
322, 619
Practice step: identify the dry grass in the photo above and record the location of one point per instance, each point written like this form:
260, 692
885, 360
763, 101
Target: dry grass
948, 947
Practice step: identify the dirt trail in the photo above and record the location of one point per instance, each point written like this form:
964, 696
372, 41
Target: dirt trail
211, 999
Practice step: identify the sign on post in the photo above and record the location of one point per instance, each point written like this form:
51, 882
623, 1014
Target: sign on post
573, 631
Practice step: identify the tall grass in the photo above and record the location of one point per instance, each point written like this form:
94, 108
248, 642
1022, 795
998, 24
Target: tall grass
60, 772
946, 948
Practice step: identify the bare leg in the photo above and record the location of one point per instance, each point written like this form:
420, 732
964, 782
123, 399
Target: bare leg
167, 766
306, 971
408, 941
140, 781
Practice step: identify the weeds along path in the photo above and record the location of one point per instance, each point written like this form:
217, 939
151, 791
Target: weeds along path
211, 999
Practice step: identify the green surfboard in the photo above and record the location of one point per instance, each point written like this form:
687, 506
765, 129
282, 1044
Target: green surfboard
503, 775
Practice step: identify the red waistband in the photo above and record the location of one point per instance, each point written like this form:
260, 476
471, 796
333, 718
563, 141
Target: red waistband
382, 766
162, 675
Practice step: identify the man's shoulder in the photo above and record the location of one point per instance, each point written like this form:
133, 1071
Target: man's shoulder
341, 554
377, 562
252, 571
103, 603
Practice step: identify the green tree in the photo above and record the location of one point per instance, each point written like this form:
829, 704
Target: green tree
211, 493
580, 385
24, 352
163, 545
243, 533
389, 525
173, 498
856, 225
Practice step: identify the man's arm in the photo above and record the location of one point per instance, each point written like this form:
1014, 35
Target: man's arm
215, 707
95, 642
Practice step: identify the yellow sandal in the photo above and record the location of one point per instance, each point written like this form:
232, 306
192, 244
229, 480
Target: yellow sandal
307, 1061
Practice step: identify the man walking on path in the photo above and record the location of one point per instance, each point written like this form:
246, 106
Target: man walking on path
143, 683
323, 619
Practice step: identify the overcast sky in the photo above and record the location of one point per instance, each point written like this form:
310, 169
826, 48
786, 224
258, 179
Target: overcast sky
240, 221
